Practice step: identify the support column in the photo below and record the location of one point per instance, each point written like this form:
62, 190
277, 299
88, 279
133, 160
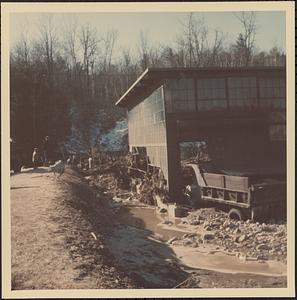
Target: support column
174, 168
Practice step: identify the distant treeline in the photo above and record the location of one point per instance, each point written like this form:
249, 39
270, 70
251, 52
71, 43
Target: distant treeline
65, 85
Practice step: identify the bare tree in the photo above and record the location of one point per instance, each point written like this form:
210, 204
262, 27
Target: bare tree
22, 47
49, 43
216, 49
89, 42
193, 41
127, 68
246, 40
71, 42
144, 50
108, 41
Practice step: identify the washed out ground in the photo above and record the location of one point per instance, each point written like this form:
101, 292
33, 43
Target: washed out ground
74, 232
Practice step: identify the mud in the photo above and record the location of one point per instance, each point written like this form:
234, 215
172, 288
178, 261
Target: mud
147, 241
205, 256
73, 233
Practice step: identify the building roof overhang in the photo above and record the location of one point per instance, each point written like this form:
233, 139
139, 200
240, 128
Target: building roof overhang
151, 77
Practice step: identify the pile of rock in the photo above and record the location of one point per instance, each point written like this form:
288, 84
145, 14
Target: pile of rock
248, 240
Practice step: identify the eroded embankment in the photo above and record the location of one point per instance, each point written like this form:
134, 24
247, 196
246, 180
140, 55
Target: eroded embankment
57, 234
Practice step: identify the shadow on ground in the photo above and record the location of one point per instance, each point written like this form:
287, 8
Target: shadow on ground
133, 250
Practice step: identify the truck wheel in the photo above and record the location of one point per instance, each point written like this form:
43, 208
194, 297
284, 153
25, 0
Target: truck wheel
235, 214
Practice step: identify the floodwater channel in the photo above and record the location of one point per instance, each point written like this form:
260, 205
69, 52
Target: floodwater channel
165, 228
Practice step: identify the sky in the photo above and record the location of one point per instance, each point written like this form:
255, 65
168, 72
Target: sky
160, 27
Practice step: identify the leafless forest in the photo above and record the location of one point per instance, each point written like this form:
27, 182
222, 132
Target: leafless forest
65, 81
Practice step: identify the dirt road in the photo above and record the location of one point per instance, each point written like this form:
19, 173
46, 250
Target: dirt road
53, 245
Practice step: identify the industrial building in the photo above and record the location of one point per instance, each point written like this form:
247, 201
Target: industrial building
240, 113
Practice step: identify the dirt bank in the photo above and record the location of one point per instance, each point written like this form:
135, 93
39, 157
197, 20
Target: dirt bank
57, 234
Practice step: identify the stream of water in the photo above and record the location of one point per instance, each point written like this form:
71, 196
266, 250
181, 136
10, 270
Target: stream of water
149, 219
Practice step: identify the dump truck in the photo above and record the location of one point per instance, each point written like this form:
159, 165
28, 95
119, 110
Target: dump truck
245, 194
240, 115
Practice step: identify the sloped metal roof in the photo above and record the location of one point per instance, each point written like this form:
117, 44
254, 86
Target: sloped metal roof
152, 77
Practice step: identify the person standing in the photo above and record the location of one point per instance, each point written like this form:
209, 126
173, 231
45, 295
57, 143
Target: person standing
35, 158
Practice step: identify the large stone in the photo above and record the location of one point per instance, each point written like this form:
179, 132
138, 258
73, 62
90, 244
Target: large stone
170, 241
175, 211
187, 243
262, 247
168, 222
208, 236
261, 258
279, 234
195, 222
226, 223
233, 225
242, 257
242, 238
192, 235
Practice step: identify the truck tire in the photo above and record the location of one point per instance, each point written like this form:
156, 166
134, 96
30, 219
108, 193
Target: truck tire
235, 214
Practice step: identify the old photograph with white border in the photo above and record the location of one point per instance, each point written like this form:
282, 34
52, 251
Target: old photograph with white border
148, 149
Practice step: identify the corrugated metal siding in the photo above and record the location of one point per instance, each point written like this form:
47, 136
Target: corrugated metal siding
158, 157
146, 123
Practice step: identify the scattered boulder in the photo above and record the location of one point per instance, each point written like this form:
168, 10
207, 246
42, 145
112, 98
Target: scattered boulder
262, 247
242, 257
208, 236
195, 222
173, 239
167, 222
242, 238
261, 258
187, 243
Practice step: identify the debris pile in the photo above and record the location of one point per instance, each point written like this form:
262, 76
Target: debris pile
247, 240
118, 174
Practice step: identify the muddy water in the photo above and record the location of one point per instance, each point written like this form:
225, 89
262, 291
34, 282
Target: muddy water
194, 258
227, 264
148, 218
